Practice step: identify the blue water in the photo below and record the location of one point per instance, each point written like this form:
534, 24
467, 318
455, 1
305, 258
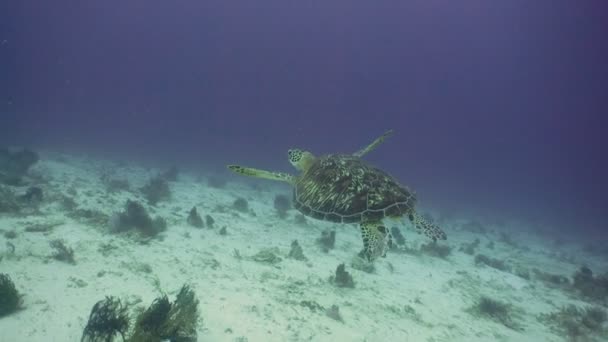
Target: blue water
499, 108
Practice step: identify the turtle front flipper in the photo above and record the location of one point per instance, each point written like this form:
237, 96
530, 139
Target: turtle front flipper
376, 240
373, 145
429, 229
251, 172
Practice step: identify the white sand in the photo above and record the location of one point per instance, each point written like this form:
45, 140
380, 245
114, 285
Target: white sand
424, 298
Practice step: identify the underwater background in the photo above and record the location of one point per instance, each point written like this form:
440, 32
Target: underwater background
500, 109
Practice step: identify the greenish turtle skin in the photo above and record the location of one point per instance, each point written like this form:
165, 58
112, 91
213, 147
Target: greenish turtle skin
343, 188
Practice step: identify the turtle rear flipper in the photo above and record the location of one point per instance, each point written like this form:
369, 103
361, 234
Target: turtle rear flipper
429, 229
367, 149
251, 172
376, 240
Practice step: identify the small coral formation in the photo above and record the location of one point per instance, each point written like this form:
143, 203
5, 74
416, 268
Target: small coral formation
282, 205
209, 221
495, 310
10, 298
577, 324
327, 240
296, 251
108, 319
165, 321
435, 249
14, 165
156, 190
481, 259
334, 313
589, 286
136, 216
240, 204
62, 252
342, 278
194, 219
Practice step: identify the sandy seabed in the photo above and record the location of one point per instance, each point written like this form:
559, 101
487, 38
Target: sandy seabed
416, 293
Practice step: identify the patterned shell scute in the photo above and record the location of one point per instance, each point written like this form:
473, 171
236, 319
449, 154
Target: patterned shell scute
343, 188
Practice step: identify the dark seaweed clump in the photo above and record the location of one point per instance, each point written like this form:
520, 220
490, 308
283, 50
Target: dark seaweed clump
575, 323
342, 277
156, 190
137, 217
151, 320
164, 321
296, 251
589, 286
108, 318
10, 298
194, 218
495, 310
62, 252
10, 234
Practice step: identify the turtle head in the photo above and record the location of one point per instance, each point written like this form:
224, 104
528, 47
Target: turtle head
300, 159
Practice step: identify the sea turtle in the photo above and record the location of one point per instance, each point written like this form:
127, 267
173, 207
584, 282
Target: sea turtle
344, 188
